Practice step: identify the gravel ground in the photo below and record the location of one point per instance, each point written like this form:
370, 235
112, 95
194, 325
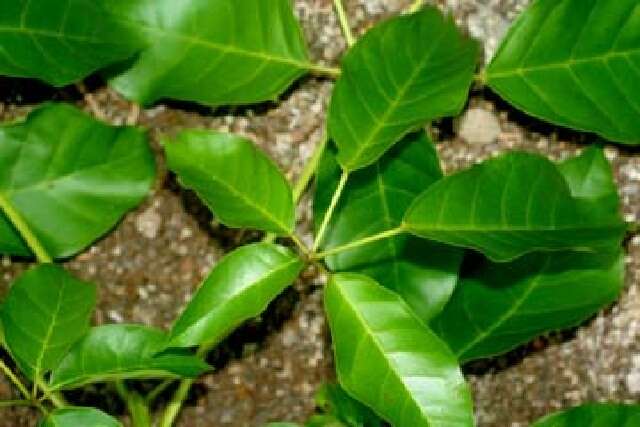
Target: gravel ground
269, 370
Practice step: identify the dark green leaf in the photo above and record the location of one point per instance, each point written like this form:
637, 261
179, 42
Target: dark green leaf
575, 63
60, 41
337, 404
509, 206
213, 52
79, 417
500, 306
374, 200
401, 74
70, 177
594, 415
114, 352
389, 360
240, 184
46, 312
239, 288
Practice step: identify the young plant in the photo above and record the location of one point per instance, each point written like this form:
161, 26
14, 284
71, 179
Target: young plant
425, 271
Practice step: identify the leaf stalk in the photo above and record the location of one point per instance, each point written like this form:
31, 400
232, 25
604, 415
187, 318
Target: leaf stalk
332, 206
344, 22
362, 242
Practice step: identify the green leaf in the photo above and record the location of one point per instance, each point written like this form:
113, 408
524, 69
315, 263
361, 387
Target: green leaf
342, 408
389, 360
46, 311
401, 74
500, 306
509, 206
70, 178
375, 199
575, 63
79, 417
114, 352
594, 415
213, 52
590, 178
239, 288
61, 42
238, 182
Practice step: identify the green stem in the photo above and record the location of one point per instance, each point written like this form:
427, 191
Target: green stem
310, 169
415, 6
358, 243
23, 228
15, 380
15, 402
344, 22
332, 206
157, 390
53, 396
136, 405
180, 395
324, 71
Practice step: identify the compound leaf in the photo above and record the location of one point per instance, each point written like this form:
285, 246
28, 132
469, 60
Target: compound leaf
79, 417
60, 42
500, 306
239, 288
375, 199
240, 184
593, 415
389, 360
575, 63
213, 52
46, 311
401, 74
121, 351
69, 177
511, 205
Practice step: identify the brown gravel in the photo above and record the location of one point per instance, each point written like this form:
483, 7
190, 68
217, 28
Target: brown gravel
269, 370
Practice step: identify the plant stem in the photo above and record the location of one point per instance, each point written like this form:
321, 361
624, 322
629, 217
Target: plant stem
25, 231
157, 390
344, 22
53, 396
324, 71
15, 380
332, 206
15, 402
358, 243
415, 6
136, 405
310, 168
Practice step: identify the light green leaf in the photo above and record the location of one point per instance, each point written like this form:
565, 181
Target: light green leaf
389, 360
590, 178
61, 41
113, 352
375, 199
46, 312
213, 52
69, 177
238, 182
79, 417
594, 415
401, 74
509, 206
239, 288
500, 306
575, 63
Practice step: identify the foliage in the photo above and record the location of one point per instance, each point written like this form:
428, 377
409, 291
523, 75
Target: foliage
425, 271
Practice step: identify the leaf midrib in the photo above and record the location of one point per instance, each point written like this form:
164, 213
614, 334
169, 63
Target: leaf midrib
377, 344
605, 57
240, 195
45, 341
506, 229
533, 284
